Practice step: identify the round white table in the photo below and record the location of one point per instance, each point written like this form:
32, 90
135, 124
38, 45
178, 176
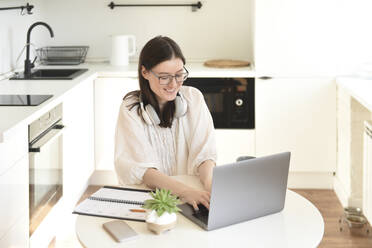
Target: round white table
299, 225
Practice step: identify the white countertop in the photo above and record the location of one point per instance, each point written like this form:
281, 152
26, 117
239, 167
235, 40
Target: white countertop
13, 117
359, 88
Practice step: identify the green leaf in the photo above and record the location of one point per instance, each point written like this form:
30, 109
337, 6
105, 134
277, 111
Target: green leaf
162, 201
177, 209
168, 209
160, 212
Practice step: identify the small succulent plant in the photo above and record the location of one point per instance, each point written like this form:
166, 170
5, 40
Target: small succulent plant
163, 201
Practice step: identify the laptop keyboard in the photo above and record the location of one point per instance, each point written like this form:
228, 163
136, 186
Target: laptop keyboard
202, 214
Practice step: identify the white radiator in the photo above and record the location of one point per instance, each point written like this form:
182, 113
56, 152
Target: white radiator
367, 171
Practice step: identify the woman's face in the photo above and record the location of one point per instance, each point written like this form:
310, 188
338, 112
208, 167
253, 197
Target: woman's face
164, 93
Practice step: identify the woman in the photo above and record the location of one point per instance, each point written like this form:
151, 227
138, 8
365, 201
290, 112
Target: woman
165, 128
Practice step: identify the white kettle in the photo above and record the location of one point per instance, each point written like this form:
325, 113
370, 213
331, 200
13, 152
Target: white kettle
120, 49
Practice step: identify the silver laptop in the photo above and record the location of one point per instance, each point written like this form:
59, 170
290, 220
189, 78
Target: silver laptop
243, 191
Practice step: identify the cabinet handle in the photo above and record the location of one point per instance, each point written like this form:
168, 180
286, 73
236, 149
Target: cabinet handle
59, 126
265, 78
368, 132
53, 134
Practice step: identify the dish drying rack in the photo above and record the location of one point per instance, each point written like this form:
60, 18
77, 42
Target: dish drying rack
62, 55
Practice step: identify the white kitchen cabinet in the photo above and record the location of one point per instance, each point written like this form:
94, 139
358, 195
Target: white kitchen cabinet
13, 183
78, 141
233, 143
17, 236
297, 115
367, 171
13, 148
14, 205
14, 189
351, 114
108, 93
306, 37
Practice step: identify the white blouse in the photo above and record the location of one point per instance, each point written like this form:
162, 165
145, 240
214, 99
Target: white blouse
178, 150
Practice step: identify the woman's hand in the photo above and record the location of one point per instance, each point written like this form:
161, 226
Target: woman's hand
195, 197
155, 179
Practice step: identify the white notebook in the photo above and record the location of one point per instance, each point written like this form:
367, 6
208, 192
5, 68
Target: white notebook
115, 202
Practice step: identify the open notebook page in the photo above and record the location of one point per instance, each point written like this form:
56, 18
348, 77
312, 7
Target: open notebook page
126, 195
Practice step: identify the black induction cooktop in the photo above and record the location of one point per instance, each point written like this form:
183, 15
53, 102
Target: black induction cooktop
23, 100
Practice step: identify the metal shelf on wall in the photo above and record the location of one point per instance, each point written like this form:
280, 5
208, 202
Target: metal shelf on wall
27, 7
194, 6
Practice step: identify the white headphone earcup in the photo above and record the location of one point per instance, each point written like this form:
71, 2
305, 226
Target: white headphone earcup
180, 107
145, 116
151, 113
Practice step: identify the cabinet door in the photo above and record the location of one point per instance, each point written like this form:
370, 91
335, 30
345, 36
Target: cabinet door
367, 172
78, 141
17, 236
14, 204
294, 36
297, 115
233, 143
13, 148
108, 93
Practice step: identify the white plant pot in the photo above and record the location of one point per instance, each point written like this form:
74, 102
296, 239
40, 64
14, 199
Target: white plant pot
159, 224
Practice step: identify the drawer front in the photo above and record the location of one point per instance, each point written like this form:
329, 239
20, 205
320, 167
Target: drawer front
13, 149
13, 195
17, 236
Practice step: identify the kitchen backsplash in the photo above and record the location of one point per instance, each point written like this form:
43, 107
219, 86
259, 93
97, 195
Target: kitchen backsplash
219, 29
13, 31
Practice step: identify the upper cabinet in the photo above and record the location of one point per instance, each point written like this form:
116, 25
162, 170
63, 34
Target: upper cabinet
311, 37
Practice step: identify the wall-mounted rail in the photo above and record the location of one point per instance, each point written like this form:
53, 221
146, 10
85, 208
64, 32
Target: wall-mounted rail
194, 6
28, 9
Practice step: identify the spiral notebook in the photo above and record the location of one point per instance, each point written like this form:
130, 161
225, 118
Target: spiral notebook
115, 202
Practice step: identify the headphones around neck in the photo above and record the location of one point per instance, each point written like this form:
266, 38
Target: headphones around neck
150, 116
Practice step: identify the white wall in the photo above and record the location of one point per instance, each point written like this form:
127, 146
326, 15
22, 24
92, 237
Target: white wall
13, 31
220, 29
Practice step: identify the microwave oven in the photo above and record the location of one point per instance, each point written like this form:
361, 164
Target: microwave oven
230, 100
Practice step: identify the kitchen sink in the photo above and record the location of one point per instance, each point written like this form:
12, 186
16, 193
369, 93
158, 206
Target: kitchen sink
51, 74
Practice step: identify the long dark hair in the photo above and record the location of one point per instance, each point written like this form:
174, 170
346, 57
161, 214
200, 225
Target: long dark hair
156, 50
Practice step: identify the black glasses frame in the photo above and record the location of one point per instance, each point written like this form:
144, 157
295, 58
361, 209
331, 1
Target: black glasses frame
170, 77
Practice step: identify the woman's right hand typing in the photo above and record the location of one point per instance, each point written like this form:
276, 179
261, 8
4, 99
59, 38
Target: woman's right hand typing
155, 179
195, 197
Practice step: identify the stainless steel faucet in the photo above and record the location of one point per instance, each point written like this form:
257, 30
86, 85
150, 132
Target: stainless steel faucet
28, 64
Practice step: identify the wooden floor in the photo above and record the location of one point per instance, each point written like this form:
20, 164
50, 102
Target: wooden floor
331, 210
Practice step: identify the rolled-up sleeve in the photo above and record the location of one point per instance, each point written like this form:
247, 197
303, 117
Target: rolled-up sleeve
133, 152
201, 139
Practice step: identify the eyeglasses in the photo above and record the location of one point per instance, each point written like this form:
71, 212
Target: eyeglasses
167, 79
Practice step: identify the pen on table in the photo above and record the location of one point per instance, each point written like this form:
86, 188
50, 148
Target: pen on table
138, 210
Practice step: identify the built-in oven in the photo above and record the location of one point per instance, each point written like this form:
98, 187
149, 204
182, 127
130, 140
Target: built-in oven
45, 165
230, 100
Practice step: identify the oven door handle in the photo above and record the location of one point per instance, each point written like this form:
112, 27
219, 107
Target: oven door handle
49, 137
